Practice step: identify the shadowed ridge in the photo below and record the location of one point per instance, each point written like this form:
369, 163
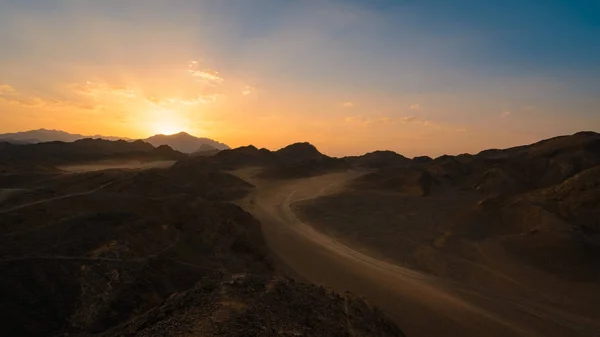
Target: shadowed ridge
205, 151
302, 160
184, 142
299, 152
61, 153
378, 159
422, 159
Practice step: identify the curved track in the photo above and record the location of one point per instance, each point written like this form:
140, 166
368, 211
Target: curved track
420, 304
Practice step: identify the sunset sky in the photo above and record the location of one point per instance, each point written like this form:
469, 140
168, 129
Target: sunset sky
350, 76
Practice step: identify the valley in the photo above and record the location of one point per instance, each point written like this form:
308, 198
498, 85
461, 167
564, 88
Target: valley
115, 238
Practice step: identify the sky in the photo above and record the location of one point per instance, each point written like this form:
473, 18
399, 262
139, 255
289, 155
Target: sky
419, 77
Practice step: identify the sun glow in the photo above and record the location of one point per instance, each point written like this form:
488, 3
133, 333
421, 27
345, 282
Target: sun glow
168, 123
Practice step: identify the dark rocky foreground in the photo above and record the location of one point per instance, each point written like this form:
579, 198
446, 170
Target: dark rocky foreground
243, 305
151, 253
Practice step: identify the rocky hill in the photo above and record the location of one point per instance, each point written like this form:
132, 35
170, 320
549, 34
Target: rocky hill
152, 253
85, 150
530, 213
294, 161
184, 142
244, 305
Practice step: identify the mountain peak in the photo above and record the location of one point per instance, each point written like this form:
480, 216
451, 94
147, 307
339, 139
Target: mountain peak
184, 142
299, 151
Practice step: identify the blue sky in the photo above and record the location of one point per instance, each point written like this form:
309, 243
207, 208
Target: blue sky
394, 73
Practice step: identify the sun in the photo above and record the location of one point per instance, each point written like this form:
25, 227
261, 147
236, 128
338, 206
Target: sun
169, 124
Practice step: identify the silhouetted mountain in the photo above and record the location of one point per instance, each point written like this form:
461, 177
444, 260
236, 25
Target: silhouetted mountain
422, 159
58, 153
205, 150
43, 135
293, 161
378, 159
184, 142
298, 152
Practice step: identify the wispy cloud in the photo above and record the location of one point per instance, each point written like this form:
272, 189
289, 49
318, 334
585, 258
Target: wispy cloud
209, 75
363, 120
170, 101
529, 108
505, 114
6, 89
248, 90
415, 107
10, 95
348, 104
95, 89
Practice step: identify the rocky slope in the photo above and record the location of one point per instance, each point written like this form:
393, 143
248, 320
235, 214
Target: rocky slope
519, 218
59, 153
152, 253
243, 305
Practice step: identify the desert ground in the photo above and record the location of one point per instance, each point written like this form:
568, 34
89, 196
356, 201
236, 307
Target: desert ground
501, 243
422, 303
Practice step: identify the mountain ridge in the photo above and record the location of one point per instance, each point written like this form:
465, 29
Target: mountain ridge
182, 142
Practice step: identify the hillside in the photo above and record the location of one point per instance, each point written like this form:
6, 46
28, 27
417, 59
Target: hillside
293, 161
184, 142
147, 253
85, 150
507, 221
181, 142
44, 135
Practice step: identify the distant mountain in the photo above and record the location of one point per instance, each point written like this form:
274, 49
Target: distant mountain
378, 159
44, 135
205, 150
293, 161
184, 142
50, 154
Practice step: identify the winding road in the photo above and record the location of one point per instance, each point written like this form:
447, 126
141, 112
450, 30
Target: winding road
420, 304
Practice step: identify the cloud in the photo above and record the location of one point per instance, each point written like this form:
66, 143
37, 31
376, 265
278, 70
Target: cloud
359, 120
408, 119
95, 89
201, 99
170, 101
505, 114
367, 120
10, 95
209, 75
248, 90
348, 104
415, 107
379, 119
6, 90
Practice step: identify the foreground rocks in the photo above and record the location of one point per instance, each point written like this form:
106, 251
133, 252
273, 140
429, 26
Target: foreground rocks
152, 253
243, 305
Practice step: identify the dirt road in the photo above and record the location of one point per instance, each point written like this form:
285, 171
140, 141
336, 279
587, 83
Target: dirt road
420, 304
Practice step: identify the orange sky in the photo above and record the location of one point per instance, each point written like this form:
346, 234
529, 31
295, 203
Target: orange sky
323, 73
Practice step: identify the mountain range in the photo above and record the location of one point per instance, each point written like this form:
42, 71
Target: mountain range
199, 248
182, 142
